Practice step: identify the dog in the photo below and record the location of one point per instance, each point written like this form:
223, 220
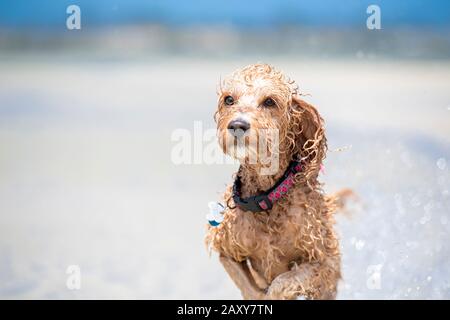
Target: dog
276, 239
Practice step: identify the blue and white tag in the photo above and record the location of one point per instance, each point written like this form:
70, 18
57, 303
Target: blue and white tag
215, 215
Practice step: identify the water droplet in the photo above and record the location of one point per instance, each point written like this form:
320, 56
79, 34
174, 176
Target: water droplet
359, 244
415, 202
441, 163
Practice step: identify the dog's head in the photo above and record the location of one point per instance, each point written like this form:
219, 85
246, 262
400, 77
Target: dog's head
260, 115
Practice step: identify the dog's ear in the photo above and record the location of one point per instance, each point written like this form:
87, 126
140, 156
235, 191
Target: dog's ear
307, 134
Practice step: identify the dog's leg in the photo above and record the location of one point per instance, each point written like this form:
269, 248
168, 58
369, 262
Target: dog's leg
259, 280
312, 280
241, 277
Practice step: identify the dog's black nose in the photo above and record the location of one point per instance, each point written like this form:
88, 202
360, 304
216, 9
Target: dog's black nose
239, 124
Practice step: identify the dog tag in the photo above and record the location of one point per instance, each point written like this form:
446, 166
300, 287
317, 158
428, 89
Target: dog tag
215, 215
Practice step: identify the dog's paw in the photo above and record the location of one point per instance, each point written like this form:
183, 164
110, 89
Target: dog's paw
286, 286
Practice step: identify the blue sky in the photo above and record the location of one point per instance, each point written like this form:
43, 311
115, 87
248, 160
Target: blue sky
238, 13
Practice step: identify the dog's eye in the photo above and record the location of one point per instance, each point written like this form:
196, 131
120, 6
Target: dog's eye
229, 101
269, 102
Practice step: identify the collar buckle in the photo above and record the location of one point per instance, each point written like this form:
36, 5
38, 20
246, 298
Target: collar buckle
255, 204
263, 202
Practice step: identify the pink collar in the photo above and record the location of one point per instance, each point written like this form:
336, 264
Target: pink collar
265, 200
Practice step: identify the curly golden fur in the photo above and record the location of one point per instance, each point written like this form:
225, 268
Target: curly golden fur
290, 250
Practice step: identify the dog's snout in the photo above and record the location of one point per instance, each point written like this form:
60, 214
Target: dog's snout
239, 124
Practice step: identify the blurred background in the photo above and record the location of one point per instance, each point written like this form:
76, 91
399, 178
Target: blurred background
87, 116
